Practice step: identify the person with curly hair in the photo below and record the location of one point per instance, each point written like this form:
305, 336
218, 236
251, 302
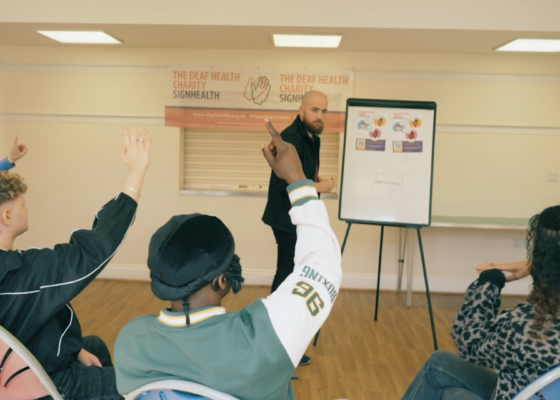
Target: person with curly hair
18, 151
500, 353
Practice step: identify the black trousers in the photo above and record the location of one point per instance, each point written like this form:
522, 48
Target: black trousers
286, 242
79, 382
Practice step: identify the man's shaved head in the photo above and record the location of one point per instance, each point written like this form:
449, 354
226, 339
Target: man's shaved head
312, 95
313, 111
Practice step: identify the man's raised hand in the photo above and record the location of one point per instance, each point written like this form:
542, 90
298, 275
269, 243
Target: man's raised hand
17, 151
282, 157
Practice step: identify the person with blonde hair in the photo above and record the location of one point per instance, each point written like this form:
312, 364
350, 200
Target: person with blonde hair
36, 285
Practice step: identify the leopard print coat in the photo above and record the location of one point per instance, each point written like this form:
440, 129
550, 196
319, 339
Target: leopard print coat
502, 341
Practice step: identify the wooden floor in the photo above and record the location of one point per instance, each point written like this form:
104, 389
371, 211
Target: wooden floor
356, 358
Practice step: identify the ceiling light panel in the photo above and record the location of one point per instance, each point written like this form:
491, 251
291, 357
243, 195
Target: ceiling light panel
532, 45
320, 41
80, 37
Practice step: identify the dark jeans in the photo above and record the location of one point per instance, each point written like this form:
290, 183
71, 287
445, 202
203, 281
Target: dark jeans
79, 382
446, 376
286, 242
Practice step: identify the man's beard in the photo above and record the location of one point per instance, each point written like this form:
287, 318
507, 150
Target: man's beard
311, 128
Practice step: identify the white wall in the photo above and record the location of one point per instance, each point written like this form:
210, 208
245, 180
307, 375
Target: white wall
498, 139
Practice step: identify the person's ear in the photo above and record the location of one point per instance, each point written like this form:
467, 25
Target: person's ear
222, 281
301, 111
6, 217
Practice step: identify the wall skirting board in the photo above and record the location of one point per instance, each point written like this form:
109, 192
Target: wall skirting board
349, 281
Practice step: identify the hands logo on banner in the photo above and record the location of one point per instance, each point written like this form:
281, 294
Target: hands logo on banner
258, 90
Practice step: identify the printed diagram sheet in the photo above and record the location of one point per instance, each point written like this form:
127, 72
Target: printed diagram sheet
387, 165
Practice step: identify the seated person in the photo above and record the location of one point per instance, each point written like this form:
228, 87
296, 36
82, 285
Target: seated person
500, 353
37, 284
17, 152
250, 354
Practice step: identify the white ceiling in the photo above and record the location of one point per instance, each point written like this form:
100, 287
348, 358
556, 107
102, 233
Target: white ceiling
482, 15
389, 26
236, 37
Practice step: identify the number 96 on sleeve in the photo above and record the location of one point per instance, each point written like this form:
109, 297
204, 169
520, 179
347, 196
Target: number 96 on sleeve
314, 302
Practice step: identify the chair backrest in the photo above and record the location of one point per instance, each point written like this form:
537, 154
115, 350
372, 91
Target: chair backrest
548, 385
173, 389
21, 375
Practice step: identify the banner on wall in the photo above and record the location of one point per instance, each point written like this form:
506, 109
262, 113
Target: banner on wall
241, 98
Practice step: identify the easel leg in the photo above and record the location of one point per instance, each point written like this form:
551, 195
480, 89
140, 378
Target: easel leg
402, 247
410, 265
427, 289
379, 273
345, 238
341, 252
316, 337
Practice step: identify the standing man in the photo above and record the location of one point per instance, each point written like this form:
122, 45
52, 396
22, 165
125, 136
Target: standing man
303, 133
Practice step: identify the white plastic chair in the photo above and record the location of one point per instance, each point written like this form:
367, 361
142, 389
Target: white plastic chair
173, 389
21, 375
548, 385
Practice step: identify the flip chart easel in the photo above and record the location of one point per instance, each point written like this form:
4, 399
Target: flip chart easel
387, 172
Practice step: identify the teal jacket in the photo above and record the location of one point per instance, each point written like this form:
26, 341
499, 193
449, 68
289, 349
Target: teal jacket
250, 354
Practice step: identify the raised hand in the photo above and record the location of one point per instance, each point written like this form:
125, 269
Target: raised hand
282, 157
17, 151
136, 152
